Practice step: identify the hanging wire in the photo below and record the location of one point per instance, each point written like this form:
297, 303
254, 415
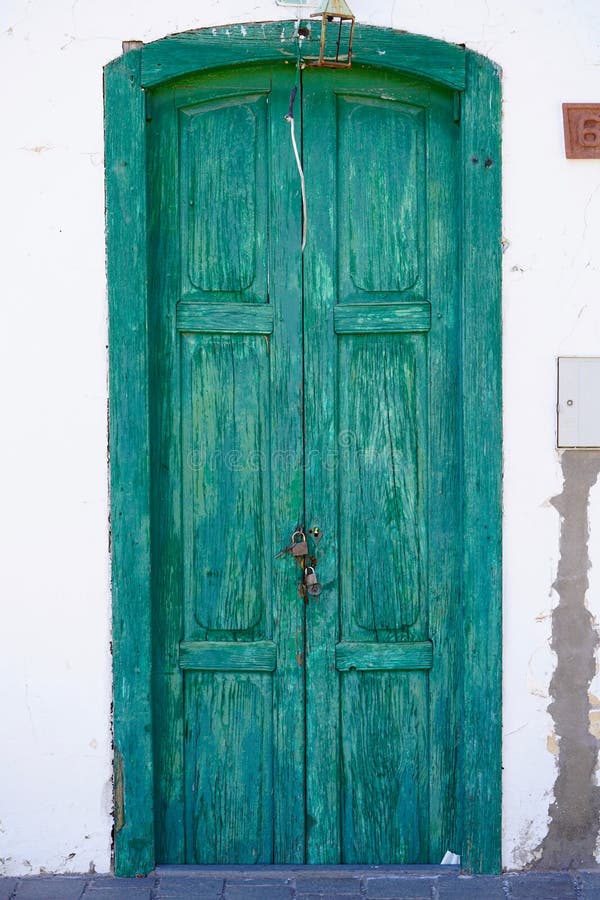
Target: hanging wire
290, 118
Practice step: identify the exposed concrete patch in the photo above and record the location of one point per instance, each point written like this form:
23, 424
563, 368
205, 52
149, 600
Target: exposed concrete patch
575, 812
594, 716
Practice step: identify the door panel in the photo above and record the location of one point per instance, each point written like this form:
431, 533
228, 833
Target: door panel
381, 361
380, 153
224, 206
382, 428
320, 391
229, 767
225, 439
384, 776
226, 412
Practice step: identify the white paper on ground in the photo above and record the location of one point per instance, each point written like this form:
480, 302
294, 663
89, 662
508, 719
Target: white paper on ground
450, 859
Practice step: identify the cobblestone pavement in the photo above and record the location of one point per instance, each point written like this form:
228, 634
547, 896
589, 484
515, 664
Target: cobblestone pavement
306, 883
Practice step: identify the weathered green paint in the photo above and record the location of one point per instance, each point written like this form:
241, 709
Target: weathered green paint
364, 656
214, 656
207, 318
125, 156
482, 464
227, 396
363, 318
211, 48
383, 402
357, 390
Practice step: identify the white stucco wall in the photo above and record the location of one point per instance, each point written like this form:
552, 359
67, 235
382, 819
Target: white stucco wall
55, 754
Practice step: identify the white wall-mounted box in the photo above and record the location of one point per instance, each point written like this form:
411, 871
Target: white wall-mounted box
578, 401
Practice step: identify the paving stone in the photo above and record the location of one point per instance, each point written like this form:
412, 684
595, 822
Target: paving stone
342, 896
108, 888
265, 891
554, 886
589, 887
330, 891
53, 887
323, 885
189, 888
402, 887
465, 887
7, 886
589, 883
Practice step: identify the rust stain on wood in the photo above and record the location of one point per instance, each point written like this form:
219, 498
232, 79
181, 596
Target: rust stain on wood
119, 793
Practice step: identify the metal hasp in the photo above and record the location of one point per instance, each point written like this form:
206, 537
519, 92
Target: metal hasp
337, 32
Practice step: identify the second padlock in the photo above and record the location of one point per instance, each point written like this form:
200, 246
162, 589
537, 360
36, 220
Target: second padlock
311, 581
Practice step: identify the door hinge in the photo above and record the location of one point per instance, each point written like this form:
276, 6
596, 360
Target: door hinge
148, 101
457, 106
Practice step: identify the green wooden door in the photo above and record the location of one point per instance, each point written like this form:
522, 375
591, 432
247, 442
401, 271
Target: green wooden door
315, 390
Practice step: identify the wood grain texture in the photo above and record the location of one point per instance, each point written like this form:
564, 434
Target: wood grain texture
445, 626
381, 244
482, 466
287, 480
227, 437
214, 656
395, 402
224, 318
225, 453
224, 208
364, 656
323, 823
388, 318
450, 713
210, 48
382, 418
228, 769
164, 255
385, 767
129, 469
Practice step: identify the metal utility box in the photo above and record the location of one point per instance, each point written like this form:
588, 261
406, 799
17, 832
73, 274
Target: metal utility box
578, 401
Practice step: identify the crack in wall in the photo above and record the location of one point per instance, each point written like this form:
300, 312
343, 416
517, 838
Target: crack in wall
575, 812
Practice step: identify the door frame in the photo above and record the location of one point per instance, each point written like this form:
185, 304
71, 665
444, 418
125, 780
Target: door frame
476, 81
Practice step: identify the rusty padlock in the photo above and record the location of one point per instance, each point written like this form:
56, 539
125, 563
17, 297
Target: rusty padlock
310, 576
299, 547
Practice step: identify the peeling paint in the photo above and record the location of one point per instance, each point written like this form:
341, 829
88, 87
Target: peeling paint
575, 811
119, 812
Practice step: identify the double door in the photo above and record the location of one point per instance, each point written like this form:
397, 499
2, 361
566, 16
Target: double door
314, 390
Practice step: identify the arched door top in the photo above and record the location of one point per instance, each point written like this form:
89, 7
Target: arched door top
210, 48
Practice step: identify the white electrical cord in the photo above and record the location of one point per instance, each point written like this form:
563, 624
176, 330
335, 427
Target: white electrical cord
290, 118
302, 184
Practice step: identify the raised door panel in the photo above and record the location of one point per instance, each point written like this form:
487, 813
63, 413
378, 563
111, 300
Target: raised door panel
383, 452
224, 198
229, 767
225, 423
385, 771
381, 185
